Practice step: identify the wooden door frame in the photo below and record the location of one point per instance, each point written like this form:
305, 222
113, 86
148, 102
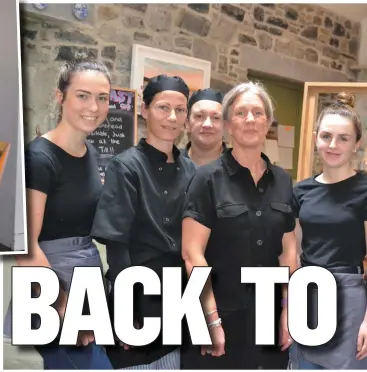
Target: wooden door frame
309, 113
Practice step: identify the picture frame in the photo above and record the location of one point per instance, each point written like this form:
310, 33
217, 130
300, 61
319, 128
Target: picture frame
147, 62
312, 91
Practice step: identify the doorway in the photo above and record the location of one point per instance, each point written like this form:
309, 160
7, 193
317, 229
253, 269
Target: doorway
287, 97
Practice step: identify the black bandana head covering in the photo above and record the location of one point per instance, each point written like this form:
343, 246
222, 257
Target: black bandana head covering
161, 83
205, 94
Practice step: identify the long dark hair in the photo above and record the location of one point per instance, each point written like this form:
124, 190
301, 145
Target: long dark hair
70, 68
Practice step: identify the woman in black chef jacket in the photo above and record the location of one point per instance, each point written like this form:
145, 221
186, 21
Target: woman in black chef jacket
237, 215
331, 211
204, 127
139, 212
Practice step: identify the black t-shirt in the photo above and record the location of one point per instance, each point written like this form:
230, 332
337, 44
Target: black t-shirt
332, 220
72, 185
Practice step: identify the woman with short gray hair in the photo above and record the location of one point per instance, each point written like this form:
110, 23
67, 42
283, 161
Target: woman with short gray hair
238, 214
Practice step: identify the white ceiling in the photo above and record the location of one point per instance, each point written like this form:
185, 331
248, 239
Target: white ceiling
355, 12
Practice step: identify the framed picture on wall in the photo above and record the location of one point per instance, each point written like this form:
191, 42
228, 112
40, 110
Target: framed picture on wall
148, 62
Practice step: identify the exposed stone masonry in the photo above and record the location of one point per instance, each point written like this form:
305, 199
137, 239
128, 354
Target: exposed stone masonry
213, 32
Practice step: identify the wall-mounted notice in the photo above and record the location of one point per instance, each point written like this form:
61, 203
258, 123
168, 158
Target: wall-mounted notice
285, 158
286, 136
271, 150
119, 131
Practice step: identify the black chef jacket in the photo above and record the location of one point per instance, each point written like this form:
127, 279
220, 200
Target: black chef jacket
138, 218
185, 150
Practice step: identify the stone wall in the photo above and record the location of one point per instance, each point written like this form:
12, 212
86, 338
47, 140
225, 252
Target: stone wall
306, 35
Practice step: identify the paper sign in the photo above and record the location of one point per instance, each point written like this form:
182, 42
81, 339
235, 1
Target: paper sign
286, 136
285, 157
271, 150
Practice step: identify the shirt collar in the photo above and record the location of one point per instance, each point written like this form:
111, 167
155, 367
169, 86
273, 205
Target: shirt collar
185, 151
232, 165
155, 154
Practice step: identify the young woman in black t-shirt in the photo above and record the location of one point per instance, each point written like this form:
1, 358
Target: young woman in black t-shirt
63, 186
332, 220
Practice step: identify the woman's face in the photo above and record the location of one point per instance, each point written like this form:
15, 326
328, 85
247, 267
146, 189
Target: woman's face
205, 123
336, 140
166, 115
86, 102
248, 124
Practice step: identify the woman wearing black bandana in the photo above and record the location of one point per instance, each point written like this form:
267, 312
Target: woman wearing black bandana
138, 217
204, 126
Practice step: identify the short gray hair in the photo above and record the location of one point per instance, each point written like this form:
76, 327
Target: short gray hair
253, 87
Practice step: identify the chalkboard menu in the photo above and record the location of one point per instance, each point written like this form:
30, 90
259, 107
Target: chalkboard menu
119, 131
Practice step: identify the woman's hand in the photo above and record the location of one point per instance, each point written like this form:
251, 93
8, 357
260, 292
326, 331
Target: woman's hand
218, 343
85, 338
362, 341
285, 340
126, 346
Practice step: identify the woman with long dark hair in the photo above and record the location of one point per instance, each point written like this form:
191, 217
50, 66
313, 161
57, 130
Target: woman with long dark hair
63, 186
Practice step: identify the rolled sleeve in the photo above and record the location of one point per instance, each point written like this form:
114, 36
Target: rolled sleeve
295, 204
291, 219
199, 202
40, 172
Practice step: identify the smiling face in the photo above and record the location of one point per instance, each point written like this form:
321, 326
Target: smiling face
336, 140
166, 115
205, 123
248, 123
85, 103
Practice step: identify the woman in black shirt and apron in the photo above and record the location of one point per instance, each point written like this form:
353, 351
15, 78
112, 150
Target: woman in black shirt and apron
332, 212
138, 216
237, 215
63, 186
